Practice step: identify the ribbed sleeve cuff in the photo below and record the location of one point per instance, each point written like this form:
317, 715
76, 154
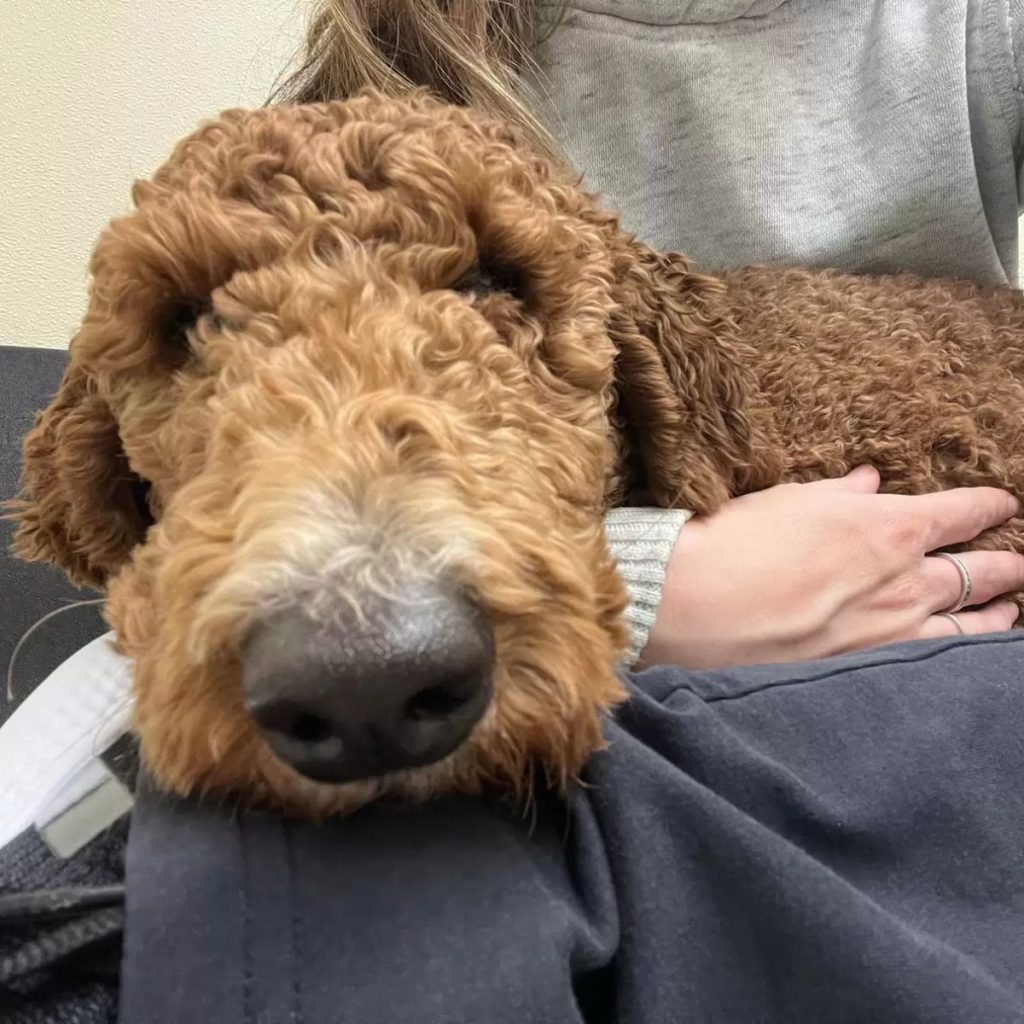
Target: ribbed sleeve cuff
641, 541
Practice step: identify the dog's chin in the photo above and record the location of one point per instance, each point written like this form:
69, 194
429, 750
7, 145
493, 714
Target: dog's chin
287, 791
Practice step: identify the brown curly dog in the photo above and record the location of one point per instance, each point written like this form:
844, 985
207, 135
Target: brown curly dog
357, 382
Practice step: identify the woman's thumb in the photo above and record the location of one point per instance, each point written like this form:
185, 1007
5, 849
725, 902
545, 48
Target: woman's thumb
861, 479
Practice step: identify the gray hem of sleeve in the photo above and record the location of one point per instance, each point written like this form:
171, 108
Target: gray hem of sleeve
641, 541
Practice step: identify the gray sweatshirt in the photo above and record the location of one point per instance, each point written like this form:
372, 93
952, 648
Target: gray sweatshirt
871, 135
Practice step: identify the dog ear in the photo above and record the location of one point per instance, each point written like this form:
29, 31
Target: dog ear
82, 508
683, 388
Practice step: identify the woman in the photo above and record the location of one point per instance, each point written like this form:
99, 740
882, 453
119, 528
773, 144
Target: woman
833, 840
865, 136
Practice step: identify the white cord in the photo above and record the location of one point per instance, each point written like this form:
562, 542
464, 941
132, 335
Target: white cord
31, 629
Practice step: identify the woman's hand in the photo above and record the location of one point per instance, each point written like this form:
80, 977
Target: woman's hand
809, 570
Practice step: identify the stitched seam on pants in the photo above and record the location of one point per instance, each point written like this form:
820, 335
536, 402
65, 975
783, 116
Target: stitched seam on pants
845, 670
246, 905
297, 1014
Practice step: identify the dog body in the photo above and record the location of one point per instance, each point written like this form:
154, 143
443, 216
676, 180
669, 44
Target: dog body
924, 379
377, 372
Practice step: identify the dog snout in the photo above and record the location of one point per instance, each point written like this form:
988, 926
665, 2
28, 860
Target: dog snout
355, 694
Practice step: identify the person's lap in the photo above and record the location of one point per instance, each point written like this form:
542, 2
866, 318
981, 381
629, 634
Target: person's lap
837, 841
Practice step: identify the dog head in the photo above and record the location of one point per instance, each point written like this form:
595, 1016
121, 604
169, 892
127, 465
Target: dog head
355, 385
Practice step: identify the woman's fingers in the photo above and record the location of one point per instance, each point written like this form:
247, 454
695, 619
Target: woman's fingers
827, 567
993, 618
958, 516
992, 574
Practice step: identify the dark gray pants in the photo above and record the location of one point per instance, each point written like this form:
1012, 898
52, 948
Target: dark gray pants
837, 841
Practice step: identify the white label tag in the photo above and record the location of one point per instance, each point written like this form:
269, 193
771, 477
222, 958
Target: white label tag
85, 819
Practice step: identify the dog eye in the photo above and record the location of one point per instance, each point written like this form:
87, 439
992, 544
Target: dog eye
489, 277
141, 491
181, 319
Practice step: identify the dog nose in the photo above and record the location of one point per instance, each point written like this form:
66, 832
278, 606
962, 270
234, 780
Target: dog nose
393, 684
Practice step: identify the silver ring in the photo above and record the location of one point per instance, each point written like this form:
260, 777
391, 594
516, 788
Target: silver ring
966, 583
952, 618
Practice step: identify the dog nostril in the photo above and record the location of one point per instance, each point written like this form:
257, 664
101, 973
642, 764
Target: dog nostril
309, 728
435, 702
293, 724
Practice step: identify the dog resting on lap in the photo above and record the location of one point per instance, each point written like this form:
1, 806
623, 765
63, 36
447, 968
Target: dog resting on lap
356, 384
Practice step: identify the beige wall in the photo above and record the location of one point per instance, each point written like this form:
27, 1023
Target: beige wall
92, 95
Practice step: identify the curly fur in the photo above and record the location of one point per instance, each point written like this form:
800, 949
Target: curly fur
277, 344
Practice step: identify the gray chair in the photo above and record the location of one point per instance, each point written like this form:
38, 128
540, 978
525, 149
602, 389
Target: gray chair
28, 377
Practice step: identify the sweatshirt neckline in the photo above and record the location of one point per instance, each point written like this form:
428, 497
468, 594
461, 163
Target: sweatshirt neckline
680, 12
